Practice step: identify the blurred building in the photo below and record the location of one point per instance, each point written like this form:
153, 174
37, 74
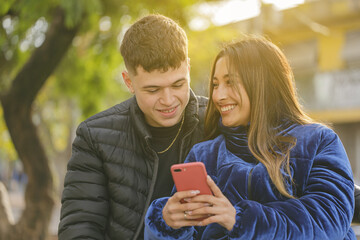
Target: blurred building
321, 39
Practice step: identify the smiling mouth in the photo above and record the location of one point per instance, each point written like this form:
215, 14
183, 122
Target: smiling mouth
227, 108
168, 110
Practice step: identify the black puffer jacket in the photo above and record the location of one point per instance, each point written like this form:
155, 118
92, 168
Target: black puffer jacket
356, 218
112, 172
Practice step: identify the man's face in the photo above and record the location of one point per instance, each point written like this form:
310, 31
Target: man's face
161, 96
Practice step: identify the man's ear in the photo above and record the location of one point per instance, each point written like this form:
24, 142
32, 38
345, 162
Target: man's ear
127, 81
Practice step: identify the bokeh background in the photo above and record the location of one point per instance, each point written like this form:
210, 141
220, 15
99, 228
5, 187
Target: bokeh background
60, 63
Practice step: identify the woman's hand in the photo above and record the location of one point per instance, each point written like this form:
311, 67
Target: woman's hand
177, 209
220, 210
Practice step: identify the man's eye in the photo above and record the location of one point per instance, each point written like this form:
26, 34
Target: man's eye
215, 85
178, 85
152, 90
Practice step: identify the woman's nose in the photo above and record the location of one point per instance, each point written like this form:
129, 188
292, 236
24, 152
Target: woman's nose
220, 93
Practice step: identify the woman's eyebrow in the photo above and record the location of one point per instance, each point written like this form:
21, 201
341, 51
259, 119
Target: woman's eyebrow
225, 76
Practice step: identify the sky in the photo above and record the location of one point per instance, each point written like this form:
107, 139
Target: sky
227, 11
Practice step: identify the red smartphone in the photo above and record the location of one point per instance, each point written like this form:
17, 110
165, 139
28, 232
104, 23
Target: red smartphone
190, 176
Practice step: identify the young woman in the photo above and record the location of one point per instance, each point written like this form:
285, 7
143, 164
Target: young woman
274, 172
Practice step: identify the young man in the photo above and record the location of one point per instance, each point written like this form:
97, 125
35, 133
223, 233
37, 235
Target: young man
121, 157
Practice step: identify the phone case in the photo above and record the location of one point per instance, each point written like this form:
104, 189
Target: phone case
190, 176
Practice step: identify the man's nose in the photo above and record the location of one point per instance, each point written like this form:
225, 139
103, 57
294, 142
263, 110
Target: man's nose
167, 97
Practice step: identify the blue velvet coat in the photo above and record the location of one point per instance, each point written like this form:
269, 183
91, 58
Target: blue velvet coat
323, 187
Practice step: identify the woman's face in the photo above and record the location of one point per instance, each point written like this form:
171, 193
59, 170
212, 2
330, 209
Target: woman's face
234, 110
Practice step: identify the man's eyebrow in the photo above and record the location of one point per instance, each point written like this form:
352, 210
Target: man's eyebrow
156, 86
150, 86
179, 80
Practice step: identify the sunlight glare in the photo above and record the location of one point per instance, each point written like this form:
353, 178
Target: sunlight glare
283, 4
228, 11
235, 10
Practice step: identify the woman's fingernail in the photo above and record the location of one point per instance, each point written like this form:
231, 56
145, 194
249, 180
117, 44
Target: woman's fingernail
195, 192
187, 199
188, 212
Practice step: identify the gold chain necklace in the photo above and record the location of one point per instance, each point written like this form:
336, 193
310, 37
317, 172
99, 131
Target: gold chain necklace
173, 141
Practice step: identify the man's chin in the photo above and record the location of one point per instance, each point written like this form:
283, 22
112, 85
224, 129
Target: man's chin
169, 122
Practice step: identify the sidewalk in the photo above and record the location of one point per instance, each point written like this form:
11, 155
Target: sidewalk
356, 228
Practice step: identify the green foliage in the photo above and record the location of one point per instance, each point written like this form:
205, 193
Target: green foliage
77, 10
7, 150
5, 6
28, 11
87, 76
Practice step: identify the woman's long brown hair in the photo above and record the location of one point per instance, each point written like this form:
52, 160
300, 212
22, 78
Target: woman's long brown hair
268, 80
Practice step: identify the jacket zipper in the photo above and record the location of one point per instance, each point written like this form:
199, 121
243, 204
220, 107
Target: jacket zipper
249, 184
152, 186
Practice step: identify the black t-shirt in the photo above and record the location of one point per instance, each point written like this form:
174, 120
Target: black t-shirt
161, 139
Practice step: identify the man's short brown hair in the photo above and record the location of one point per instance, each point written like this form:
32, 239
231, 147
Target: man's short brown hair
154, 42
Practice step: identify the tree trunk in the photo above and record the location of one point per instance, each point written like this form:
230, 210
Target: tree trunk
7, 218
17, 105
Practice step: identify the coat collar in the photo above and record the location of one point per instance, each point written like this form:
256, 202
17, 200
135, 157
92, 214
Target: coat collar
237, 141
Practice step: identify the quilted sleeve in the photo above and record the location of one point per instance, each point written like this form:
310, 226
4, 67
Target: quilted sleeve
356, 218
324, 211
84, 210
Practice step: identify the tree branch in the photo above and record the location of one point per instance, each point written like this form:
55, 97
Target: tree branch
43, 61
